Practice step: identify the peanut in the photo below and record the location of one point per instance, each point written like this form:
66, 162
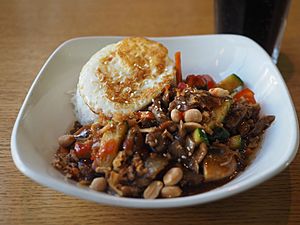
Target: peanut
192, 115
175, 115
171, 192
219, 92
153, 190
66, 140
99, 184
173, 176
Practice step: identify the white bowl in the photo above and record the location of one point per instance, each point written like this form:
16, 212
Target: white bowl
47, 112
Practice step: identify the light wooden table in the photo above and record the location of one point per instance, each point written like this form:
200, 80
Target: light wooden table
31, 30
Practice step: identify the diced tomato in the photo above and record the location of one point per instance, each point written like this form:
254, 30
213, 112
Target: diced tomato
109, 148
181, 115
210, 83
190, 79
182, 85
196, 81
245, 94
178, 67
82, 150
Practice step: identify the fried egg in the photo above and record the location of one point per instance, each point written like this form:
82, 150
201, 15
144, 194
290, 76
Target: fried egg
124, 77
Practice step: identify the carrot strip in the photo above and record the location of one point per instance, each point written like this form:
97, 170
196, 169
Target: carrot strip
178, 67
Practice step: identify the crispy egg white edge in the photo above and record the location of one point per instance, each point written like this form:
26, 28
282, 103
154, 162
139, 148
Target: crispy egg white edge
88, 87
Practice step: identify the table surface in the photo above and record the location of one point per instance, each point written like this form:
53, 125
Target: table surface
31, 30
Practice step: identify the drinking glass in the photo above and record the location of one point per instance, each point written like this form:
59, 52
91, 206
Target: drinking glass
263, 21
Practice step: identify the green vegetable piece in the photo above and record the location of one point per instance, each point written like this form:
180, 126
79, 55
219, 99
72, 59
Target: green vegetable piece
231, 82
200, 136
219, 133
219, 114
235, 142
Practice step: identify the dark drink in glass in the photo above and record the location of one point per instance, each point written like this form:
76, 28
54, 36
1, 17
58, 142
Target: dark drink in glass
261, 20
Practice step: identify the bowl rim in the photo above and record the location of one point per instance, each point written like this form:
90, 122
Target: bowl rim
143, 203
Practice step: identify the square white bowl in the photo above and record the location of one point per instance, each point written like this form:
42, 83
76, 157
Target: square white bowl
47, 112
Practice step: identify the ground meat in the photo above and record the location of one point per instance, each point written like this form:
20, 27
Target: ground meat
235, 116
66, 162
241, 117
86, 172
261, 125
131, 168
134, 141
180, 103
138, 165
244, 127
193, 98
177, 151
60, 158
157, 109
190, 179
167, 97
157, 141
253, 142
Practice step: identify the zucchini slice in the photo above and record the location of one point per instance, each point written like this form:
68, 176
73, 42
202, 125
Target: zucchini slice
231, 82
235, 142
219, 114
200, 136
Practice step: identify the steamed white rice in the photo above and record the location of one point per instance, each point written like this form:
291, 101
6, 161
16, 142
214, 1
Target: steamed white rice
82, 112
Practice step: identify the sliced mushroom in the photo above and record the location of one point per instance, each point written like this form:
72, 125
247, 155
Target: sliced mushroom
217, 166
181, 130
190, 126
66, 140
148, 129
190, 145
167, 125
197, 157
130, 191
154, 164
